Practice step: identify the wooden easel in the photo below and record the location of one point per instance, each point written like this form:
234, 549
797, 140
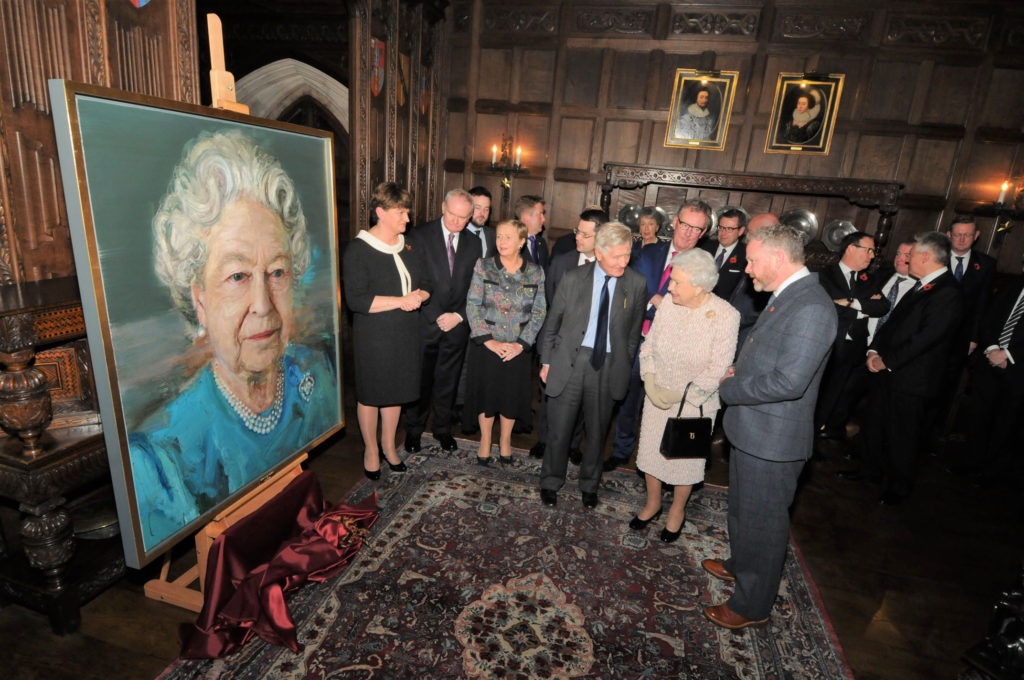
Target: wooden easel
179, 591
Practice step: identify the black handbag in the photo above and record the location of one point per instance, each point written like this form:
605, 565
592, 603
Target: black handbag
687, 437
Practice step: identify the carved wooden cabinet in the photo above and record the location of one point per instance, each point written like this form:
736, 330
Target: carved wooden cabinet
54, 445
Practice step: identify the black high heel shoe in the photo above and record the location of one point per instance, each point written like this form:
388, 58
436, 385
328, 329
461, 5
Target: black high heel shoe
372, 475
636, 524
395, 467
671, 536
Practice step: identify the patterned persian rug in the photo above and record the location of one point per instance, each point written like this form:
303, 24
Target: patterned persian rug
468, 575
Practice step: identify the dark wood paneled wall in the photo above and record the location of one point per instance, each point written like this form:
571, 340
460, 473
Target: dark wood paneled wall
149, 50
933, 98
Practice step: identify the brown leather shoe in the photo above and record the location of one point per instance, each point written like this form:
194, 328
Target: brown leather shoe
717, 569
722, 615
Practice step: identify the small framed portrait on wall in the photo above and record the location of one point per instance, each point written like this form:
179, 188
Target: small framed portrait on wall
701, 107
804, 113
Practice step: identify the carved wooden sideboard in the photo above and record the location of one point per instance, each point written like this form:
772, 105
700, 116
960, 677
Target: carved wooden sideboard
44, 377
880, 196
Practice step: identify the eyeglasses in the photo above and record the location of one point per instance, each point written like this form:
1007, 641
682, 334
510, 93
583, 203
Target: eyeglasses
857, 245
680, 223
729, 228
577, 232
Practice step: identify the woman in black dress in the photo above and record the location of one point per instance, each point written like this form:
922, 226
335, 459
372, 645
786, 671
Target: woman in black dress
384, 288
505, 309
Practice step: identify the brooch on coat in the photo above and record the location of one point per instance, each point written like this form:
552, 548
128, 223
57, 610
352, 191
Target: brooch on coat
710, 314
306, 386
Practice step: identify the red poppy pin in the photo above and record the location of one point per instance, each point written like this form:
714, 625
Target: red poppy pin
977, 266
732, 260
772, 308
927, 286
863, 277
408, 247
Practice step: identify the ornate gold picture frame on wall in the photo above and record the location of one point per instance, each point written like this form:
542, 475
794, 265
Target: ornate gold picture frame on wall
804, 113
701, 109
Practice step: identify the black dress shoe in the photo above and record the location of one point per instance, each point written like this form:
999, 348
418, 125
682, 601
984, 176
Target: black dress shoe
372, 475
537, 451
636, 524
480, 460
505, 460
612, 463
548, 497
412, 444
589, 499
447, 442
575, 456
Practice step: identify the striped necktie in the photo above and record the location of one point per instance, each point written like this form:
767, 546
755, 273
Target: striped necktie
1011, 323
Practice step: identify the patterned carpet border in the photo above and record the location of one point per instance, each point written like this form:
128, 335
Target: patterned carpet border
468, 575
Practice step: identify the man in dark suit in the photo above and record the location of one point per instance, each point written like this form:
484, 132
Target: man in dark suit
856, 293
975, 271
588, 345
729, 251
478, 222
771, 392
449, 254
691, 223
585, 235
744, 299
906, 360
997, 385
530, 211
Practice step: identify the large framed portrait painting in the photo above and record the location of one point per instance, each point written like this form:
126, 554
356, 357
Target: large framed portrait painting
804, 113
206, 250
701, 109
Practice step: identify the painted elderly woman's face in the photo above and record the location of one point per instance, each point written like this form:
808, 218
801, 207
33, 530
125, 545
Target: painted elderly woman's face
245, 298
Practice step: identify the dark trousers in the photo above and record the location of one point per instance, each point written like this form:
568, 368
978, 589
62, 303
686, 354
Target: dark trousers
628, 422
833, 407
891, 434
588, 390
760, 494
996, 408
442, 364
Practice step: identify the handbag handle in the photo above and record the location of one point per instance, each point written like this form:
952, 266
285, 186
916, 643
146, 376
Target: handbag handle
682, 402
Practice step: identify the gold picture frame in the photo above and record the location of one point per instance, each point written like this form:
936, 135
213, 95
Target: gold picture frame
701, 109
804, 113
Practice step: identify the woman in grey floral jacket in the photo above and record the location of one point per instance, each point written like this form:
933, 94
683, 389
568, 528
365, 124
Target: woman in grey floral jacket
505, 309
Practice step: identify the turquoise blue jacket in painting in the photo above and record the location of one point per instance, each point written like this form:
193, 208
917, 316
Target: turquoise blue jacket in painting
197, 451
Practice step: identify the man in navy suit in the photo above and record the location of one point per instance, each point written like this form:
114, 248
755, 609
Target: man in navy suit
691, 223
449, 254
771, 392
856, 293
530, 211
478, 222
587, 348
975, 271
729, 251
906, 360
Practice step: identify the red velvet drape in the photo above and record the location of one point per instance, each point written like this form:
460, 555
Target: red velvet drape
294, 538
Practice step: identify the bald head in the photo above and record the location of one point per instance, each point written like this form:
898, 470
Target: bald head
761, 220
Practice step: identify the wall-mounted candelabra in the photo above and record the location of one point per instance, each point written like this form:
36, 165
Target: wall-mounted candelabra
508, 165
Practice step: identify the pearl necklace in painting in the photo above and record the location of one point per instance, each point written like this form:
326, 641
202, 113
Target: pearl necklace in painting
260, 423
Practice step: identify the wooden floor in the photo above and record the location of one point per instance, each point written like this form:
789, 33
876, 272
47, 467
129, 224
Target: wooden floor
908, 589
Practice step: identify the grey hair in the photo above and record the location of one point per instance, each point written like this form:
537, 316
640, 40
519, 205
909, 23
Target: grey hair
936, 243
611, 234
699, 267
460, 193
784, 237
215, 170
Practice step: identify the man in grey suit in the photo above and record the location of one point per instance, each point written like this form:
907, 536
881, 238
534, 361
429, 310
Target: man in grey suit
771, 392
587, 348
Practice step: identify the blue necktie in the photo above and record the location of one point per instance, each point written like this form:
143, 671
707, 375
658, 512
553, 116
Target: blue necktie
601, 336
891, 296
533, 249
959, 271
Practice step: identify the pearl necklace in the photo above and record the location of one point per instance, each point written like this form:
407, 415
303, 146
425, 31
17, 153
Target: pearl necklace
260, 423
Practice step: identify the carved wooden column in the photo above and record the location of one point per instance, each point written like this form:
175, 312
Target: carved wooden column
25, 408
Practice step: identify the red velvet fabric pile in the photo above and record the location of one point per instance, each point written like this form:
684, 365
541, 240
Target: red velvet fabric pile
294, 538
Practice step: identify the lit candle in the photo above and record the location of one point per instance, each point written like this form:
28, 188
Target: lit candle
494, 155
1002, 193
519, 155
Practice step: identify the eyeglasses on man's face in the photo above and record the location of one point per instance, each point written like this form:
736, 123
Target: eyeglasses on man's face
583, 234
857, 245
689, 227
729, 229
